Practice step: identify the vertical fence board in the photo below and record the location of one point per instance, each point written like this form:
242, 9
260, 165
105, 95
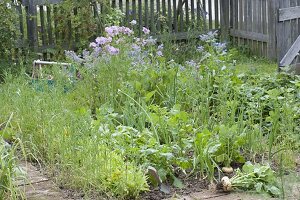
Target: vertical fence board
20, 13
134, 9
158, 11
254, 25
249, 19
49, 25
241, 21
187, 13
259, 24
264, 26
294, 23
170, 16
146, 13
152, 26
140, 21
193, 13
31, 24
180, 13
175, 25
217, 23
225, 4
273, 5
210, 23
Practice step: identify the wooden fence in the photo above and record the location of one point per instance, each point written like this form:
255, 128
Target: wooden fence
268, 28
41, 27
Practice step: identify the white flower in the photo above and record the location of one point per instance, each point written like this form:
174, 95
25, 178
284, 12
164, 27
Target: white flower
133, 22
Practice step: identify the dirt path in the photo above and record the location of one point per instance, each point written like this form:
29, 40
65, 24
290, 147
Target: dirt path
37, 186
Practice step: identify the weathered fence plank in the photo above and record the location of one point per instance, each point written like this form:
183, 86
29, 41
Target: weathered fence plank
291, 54
289, 13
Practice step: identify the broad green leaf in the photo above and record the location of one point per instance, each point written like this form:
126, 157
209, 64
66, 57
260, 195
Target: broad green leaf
178, 183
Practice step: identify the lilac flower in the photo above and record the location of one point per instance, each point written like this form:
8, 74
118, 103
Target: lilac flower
209, 37
103, 40
200, 49
191, 63
93, 45
149, 41
133, 22
96, 52
160, 47
146, 31
73, 56
159, 53
85, 54
127, 31
219, 47
112, 50
136, 47
112, 30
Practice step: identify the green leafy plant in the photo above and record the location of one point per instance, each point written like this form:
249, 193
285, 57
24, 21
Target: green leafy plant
253, 177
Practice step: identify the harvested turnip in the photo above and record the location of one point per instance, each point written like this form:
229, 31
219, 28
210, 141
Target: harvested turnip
226, 184
253, 177
227, 170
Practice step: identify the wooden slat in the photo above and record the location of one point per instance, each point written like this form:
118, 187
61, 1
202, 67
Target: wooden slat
217, 23
164, 8
152, 20
180, 13
249, 21
170, 16
146, 13
49, 25
40, 2
241, 21
259, 25
43, 28
255, 25
224, 19
55, 13
31, 24
285, 33
193, 12
249, 35
140, 16
134, 9
158, 11
127, 13
264, 26
272, 8
175, 17
210, 14
289, 13
294, 27
291, 54
77, 36
187, 13
20, 12
121, 5
199, 14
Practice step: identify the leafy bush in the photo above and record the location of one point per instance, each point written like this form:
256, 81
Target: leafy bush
8, 30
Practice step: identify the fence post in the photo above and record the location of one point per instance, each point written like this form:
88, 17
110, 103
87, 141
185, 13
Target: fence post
225, 20
272, 25
31, 24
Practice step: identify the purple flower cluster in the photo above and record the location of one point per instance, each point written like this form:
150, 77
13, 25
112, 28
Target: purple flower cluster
113, 31
219, 47
146, 31
209, 37
141, 50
